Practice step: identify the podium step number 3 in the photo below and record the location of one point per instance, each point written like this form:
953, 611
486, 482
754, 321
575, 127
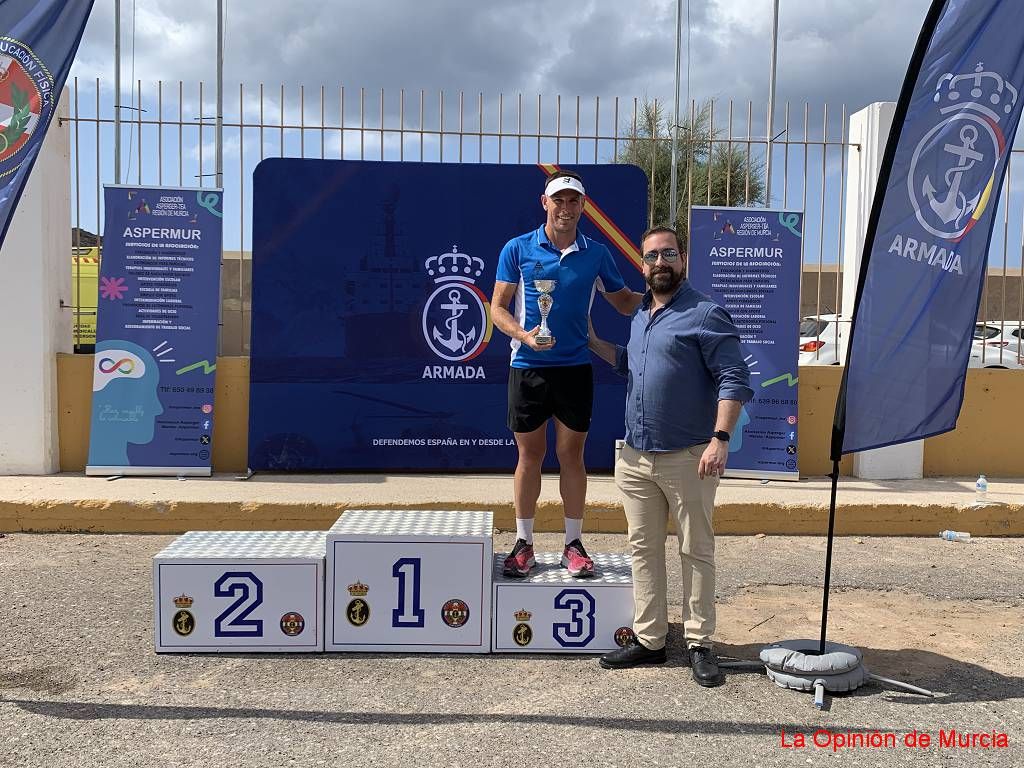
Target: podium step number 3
551, 612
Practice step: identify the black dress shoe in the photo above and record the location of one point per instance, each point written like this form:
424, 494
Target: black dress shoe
632, 655
704, 665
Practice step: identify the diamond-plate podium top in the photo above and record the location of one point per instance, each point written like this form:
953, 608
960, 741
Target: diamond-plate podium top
612, 568
405, 522
246, 545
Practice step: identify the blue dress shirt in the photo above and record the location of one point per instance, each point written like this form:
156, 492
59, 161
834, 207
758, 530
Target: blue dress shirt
679, 364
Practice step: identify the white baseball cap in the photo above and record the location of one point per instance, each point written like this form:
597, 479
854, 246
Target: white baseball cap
564, 182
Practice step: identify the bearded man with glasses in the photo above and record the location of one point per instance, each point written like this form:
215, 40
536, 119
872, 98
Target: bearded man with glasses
686, 385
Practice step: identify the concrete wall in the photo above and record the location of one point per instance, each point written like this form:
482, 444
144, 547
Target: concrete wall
35, 307
988, 437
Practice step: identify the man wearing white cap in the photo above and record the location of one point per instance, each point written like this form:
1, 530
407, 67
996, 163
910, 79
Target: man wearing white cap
552, 377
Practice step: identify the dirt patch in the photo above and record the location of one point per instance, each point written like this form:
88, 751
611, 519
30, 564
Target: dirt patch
906, 636
49, 679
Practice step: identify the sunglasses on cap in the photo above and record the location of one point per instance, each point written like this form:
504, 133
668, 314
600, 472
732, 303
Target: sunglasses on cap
668, 255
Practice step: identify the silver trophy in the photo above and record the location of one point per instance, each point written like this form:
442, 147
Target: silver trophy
544, 303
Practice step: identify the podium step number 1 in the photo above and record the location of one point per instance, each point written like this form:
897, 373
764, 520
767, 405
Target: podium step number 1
409, 581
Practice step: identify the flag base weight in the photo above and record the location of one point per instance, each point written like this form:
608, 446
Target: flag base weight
796, 664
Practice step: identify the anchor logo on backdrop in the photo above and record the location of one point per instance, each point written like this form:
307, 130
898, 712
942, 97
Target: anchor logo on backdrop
952, 172
456, 316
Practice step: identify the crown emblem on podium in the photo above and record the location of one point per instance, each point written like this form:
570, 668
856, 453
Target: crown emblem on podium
358, 589
980, 90
183, 601
454, 266
523, 615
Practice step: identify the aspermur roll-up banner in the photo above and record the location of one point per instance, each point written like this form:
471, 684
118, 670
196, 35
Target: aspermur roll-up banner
372, 341
156, 335
748, 261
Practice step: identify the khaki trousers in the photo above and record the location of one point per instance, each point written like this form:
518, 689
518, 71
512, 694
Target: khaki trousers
654, 486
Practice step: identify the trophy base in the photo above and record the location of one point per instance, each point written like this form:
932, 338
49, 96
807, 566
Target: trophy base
544, 338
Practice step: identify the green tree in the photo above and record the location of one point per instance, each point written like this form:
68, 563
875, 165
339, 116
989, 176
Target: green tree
704, 158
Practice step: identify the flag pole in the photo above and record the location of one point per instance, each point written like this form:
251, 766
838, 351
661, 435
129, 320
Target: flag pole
674, 174
219, 130
771, 107
117, 91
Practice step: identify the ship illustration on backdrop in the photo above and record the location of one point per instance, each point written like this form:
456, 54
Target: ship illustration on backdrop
381, 298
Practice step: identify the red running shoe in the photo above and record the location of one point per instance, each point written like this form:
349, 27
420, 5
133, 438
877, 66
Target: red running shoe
576, 560
520, 561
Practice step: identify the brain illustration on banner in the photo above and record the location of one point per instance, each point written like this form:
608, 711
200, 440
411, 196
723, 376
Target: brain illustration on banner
125, 403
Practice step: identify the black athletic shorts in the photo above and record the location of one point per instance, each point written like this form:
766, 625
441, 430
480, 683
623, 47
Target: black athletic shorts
537, 394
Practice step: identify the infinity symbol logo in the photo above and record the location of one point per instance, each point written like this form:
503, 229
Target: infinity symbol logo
124, 365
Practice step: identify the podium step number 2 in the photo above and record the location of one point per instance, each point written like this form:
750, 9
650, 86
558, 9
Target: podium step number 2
240, 591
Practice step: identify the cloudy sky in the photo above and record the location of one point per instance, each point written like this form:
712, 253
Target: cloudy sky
835, 51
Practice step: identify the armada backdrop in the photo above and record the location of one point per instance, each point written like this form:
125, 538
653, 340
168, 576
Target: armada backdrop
372, 344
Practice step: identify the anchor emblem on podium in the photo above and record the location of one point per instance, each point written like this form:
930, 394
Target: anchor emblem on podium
358, 612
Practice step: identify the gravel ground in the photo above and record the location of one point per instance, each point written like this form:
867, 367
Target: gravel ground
81, 686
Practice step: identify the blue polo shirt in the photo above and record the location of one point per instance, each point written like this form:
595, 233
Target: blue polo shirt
678, 365
586, 266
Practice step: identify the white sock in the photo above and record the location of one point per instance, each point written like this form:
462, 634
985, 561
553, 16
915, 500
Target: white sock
573, 529
524, 529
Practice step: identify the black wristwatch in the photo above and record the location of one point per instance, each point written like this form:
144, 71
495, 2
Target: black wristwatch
722, 435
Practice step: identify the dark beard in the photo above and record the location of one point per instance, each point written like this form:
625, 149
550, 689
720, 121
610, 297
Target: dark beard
659, 284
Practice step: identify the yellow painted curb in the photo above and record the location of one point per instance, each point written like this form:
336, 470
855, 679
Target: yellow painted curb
102, 516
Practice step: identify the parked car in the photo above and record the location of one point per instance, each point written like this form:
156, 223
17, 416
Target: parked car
819, 338
997, 345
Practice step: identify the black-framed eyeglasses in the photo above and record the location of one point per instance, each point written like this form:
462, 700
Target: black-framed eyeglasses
668, 255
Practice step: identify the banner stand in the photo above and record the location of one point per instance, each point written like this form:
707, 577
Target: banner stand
748, 260
156, 335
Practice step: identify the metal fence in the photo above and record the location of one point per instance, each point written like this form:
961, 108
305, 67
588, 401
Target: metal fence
168, 137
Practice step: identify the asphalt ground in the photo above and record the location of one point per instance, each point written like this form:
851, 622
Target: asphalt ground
81, 686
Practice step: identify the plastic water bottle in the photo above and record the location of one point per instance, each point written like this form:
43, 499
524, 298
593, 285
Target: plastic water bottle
955, 536
980, 489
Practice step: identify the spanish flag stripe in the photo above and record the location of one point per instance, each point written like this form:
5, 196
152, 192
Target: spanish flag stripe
604, 224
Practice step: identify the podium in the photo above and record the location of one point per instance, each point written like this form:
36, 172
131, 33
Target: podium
240, 591
551, 612
381, 580
409, 581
